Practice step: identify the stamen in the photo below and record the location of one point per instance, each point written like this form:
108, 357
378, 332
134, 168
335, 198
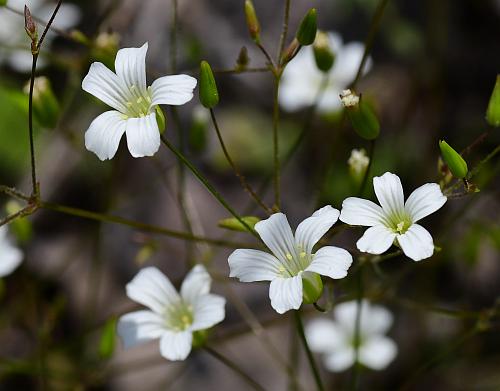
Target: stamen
289, 256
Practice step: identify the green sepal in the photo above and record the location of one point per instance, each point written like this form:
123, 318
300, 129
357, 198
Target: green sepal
108, 338
363, 120
307, 28
161, 119
323, 54
455, 162
200, 338
312, 287
493, 111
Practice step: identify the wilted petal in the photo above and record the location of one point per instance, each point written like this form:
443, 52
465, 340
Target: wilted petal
276, 233
286, 293
389, 193
324, 336
140, 326
416, 243
208, 310
313, 228
377, 352
357, 211
424, 200
104, 134
331, 261
143, 136
173, 90
376, 240
130, 66
253, 265
176, 346
196, 283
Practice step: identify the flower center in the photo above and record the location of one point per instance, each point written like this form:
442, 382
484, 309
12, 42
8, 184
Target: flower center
296, 263
400, 224
138, 103
179, 317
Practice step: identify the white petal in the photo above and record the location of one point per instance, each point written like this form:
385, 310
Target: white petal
377, 352
389, 193
150, 287
340, 360
376, 240
208, 310
276, 233
106, 86
143, 136
375, 319
104, 134
130, 66
173, 90
196, 283
10, 256
416, 243
313, 228
424, 200
324, 336
176, 346
345, 314
140, 326
286, 293
347, 63
331, 261
253, 265
357, 211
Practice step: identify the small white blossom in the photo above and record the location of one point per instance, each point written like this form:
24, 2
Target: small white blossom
336, 339
394, 221
358, 161
10, 256
134, 103
302, 79
349, 99
172, 317
291, 257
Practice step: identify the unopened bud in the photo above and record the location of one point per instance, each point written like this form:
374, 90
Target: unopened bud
307, 29
234, 224
493, 111
358, 163
242, 61
46, 107
30, 25
252, 21
323, 53
209, 96
290, 52
453, 160
362, 116
312, 287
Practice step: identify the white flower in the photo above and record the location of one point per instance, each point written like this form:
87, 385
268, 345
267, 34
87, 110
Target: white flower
336, 339
358, 162
171, 317
292, 256
134, 102
15, 42
10, 256
396, 220
302, 79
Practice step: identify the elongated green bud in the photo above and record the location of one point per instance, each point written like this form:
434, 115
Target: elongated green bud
243, 60
30, 26
209, 96
361, 114
453, 160
234, 224
493, 111
252, 21
307, 29
312, 287
46, 107
323, 53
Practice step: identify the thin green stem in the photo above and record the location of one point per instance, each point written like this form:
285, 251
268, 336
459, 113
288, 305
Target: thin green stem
49, 23
310, 357
34, 182
240, 176
231, 365
276, 149
284, 31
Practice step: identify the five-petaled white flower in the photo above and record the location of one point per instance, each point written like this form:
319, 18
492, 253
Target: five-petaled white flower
172, 317
302, 79
395, 221
292, 257
134, 102
10, 256
336, 339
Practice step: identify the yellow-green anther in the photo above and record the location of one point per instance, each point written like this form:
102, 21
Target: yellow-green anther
361, 114
312, 287
307, 29
209, 96
455, 162
493, 111
234, 224
323, 53
252, 21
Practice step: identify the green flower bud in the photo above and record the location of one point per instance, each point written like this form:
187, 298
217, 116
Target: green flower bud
252, 21
362, 116
454, 161
323, 53
312, 287
161, 119
493, 111
209, 96
234, 224
46, 108
30, 26
307, 29
242, 60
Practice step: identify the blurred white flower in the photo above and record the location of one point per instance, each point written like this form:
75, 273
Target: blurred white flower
302, 79
172, 318
396, 220
336, 339
10, 256
15, 48
292, 256
358, 162
134, 102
